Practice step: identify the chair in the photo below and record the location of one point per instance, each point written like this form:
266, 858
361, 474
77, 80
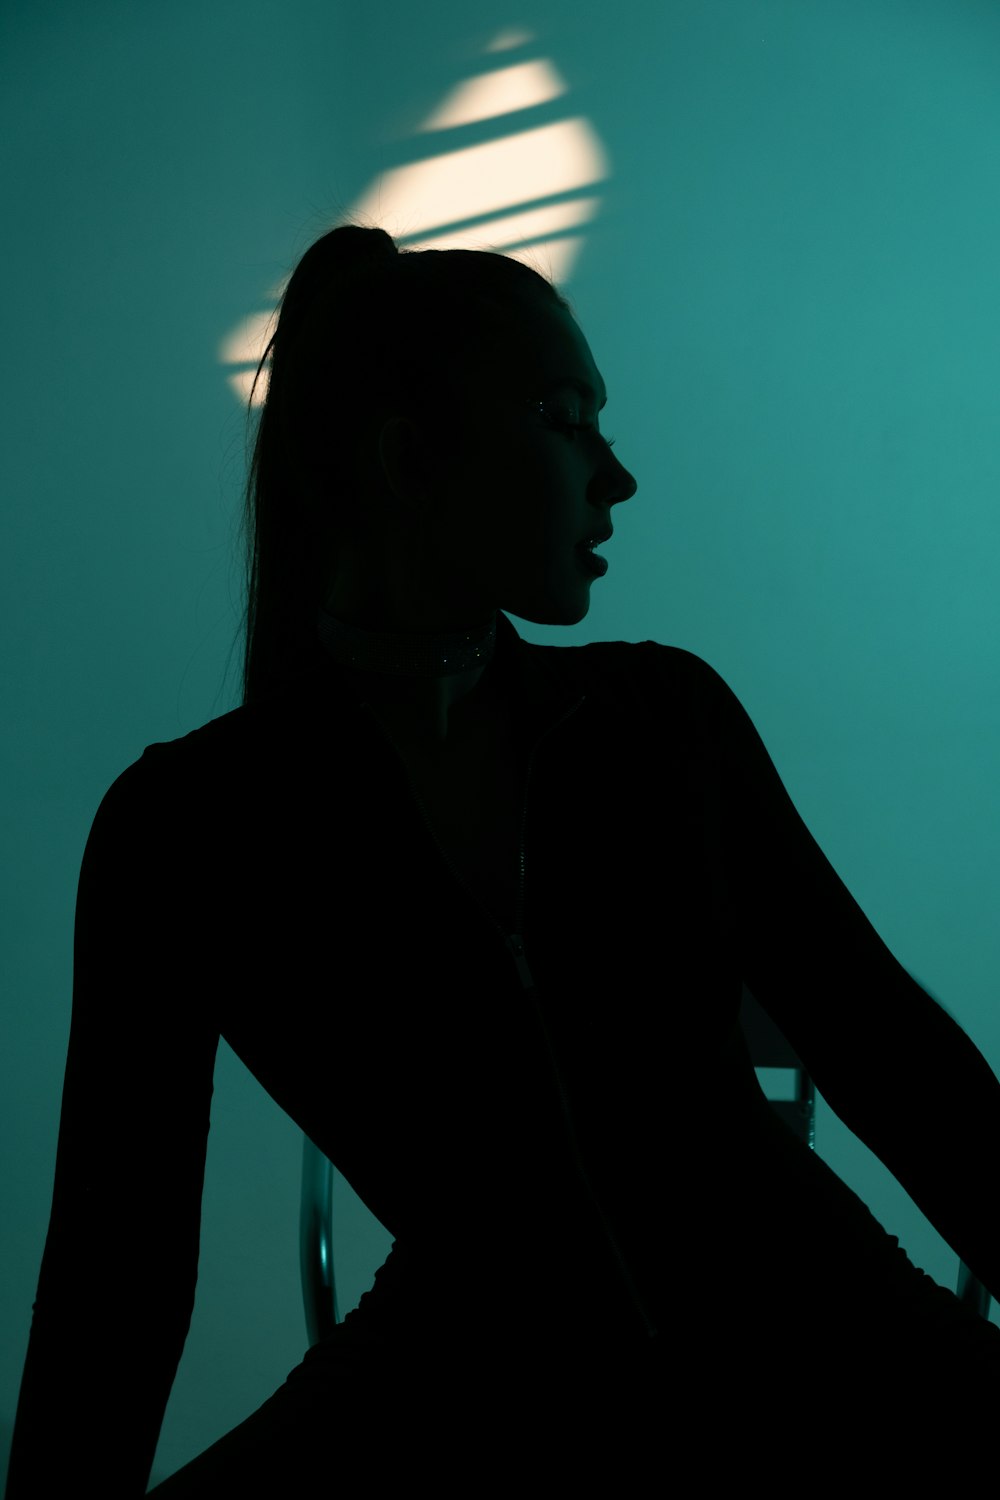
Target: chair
768, 1048
319, 1287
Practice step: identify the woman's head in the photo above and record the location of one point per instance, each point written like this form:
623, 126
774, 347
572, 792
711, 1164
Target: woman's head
405, 472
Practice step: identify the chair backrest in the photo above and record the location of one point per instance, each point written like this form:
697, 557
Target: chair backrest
769, 1048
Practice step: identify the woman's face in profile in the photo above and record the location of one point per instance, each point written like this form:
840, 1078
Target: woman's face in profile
531, 480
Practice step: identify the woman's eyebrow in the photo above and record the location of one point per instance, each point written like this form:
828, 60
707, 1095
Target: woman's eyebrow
583, 387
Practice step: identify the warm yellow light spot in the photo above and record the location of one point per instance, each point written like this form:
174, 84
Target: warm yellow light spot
249, 340
486, 179
499, 93
241, 382
508, 39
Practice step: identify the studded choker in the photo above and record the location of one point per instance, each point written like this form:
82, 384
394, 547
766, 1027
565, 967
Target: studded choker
404, 654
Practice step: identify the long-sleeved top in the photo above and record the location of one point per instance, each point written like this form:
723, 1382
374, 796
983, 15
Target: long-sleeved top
559, 1125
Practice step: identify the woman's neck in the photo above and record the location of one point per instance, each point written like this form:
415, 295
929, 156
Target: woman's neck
431, 711
428, 684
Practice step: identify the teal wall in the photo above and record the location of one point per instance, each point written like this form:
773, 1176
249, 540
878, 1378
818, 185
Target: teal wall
790, 288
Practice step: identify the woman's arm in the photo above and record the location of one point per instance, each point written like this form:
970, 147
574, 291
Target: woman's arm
116, 1286
899, 1072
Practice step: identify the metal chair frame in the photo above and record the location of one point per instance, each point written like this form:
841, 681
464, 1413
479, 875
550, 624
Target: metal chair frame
319, 1286
769, 1048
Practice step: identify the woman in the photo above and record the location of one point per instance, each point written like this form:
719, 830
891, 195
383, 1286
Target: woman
478, 915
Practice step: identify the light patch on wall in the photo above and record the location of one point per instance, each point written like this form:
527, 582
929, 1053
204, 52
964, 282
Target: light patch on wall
482, 181
495, 195
501, 93
244, 346
241, 384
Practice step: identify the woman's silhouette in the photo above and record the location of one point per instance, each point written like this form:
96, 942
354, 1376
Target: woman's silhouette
478, 915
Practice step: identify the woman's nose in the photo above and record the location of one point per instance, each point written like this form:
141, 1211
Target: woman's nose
625, 483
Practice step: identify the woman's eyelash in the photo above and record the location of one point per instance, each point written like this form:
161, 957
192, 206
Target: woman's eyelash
581, 427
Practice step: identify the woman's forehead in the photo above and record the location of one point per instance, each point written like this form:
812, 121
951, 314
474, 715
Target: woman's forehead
546, 347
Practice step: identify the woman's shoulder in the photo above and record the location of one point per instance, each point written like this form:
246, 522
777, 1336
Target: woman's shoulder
655, 677
217, 781
172, 779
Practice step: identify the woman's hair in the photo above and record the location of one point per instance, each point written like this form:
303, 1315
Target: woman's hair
364, 331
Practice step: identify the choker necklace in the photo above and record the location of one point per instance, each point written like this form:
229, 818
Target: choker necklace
403, 654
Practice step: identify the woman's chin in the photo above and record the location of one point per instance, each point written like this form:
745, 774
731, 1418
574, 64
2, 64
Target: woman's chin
565, 612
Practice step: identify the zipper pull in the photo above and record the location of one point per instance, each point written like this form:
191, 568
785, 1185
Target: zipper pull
516, 945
